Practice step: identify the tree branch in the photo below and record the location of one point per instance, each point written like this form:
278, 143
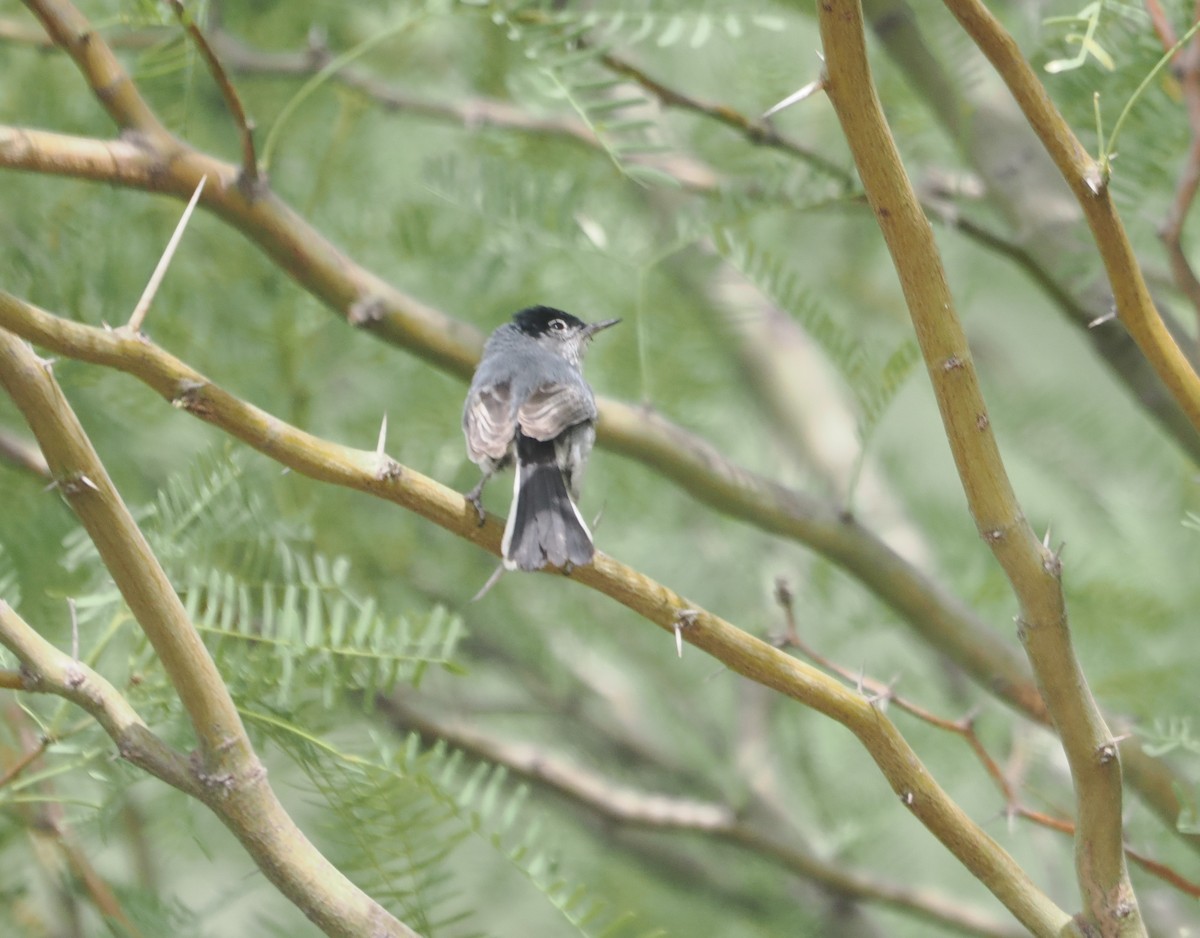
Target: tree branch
632, 808
45, 669
1032, 569
365, 471
226, 774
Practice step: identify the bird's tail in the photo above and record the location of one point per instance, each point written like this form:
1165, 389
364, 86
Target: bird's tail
544, 527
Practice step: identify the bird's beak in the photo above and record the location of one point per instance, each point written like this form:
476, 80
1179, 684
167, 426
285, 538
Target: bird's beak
593, 327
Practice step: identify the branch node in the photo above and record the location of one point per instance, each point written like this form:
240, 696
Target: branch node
366, 309
1052, 562
982, 422
74, 484
74, 677
1096, 180
953, 363
386, 468
190, 398
684, 619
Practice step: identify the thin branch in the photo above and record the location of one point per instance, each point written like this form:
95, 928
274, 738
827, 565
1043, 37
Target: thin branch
30, 756
628, 807
143, 304
1186, 65
318, 459
12, 680
47, 820
250, 180
23, 455
758, 132
225, 773
1032, 569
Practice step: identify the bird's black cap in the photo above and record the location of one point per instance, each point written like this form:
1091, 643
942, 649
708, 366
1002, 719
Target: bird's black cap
536, 319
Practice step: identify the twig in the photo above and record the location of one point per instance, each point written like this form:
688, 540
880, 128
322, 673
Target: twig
249, 181
47, 820
758, 132
12, 680
48, 670
1186, 65
28, 758
739, 651
23, 455
143, 304
1033, 571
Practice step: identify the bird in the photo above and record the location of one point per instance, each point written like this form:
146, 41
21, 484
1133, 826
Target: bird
529, 404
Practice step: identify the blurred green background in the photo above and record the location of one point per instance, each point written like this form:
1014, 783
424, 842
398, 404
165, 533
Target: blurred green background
478, 219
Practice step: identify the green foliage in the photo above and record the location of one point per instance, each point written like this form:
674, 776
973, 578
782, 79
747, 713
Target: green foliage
400, 812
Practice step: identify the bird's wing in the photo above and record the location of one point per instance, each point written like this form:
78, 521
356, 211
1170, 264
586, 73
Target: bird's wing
490, 422
555, 406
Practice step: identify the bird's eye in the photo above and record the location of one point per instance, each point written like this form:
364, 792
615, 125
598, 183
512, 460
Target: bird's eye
557, 325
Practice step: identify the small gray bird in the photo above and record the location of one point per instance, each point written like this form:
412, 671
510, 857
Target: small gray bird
529, 403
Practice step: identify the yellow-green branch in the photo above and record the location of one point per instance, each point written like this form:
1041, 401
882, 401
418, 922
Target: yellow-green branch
1032, 569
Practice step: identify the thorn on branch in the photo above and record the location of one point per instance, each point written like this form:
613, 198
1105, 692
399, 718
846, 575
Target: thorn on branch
143, 304
684, 619
795, 97
73, 484
386, 467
